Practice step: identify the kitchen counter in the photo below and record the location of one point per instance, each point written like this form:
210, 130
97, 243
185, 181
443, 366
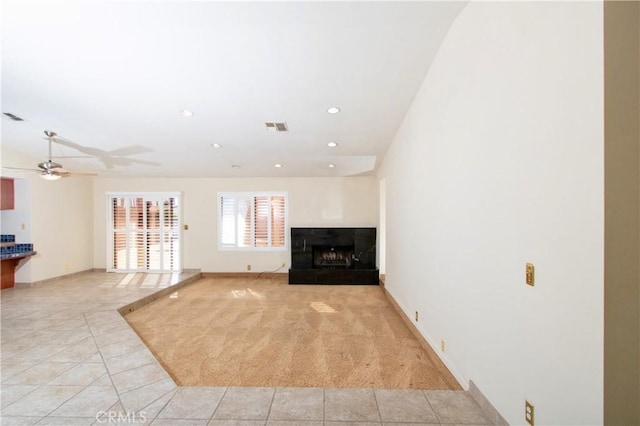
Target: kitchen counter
17, 255
11, 254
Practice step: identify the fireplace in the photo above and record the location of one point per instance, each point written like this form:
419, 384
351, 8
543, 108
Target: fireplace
333, 256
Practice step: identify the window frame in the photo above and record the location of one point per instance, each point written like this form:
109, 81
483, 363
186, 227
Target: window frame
159, 197
251, 195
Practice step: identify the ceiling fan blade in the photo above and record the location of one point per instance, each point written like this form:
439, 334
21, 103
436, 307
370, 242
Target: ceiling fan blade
110, 159
62, 141
130, 150
82, 174
124, 161
94, 152
66, 173
61, 174
21, 168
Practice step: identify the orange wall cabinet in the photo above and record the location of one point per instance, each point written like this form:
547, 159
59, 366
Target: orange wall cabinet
7, 197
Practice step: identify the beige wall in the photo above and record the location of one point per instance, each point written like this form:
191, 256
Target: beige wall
57, 217
339, 202
499, 162
66, 219
622, 213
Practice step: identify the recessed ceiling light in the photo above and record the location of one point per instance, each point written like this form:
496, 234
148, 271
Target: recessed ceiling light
185, 112
333, 110
216, 145
235, 166
332, 144
331, 166
277, 165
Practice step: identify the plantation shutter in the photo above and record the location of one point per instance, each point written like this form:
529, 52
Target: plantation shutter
153, 235
227, 222
119, 215
249, 220
145, 233
261, 236
244, 222
277, 221
235, 222
171, 233
137, 251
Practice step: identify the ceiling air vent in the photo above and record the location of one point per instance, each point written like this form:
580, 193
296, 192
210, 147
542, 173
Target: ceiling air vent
275, 126
12, 116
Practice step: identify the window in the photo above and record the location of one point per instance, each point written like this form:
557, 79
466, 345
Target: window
252, 221
144, 232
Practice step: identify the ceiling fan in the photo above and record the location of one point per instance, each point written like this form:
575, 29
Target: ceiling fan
50, 170
110, 159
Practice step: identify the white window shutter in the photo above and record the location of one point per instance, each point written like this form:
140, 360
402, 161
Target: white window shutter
145, 233
252, 221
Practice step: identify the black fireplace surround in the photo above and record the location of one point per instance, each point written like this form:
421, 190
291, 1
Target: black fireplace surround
333, 256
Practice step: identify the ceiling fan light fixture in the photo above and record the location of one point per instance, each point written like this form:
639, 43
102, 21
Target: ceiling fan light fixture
48, 175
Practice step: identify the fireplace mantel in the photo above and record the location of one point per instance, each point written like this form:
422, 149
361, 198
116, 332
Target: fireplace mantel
333, 256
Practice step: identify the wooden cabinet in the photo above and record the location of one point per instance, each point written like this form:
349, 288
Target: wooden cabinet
7, 196
8, 269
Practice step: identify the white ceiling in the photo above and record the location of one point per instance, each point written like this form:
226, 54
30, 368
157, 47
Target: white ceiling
113, 76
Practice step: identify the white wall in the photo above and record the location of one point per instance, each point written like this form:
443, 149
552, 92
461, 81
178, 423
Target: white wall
339, 202
57, 216
499, 162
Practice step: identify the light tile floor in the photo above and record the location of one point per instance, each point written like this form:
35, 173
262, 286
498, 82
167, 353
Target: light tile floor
67, 357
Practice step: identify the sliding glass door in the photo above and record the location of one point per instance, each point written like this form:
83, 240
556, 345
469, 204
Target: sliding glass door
144, 232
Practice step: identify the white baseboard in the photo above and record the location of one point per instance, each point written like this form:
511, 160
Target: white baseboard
427, 340
493, 414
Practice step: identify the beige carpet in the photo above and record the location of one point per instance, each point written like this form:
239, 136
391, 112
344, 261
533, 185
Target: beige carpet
264, 332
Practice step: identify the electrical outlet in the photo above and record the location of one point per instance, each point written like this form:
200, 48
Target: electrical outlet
528, 412
284, 264
23, 226
443, 346
186, 227
67, 266
248, 267
416, 316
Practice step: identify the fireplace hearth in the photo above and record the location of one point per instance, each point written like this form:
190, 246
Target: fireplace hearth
333, 256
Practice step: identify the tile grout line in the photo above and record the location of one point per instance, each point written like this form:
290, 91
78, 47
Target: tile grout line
165, 404
4, 378
273, 397
324, 404
65, 401
424, 392
31, 391
103, 361
131, 369
375, 399
75, 363
226, 389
